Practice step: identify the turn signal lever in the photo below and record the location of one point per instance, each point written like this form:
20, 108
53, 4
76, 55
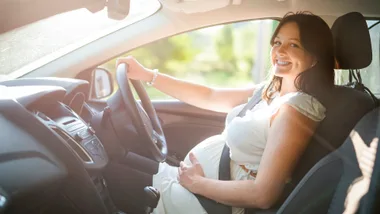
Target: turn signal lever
152, 196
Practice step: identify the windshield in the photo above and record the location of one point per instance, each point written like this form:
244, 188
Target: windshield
24, 48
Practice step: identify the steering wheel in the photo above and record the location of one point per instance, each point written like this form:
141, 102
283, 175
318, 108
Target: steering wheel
144, 117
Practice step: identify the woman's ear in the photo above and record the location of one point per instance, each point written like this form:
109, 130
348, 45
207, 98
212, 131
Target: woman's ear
314, 63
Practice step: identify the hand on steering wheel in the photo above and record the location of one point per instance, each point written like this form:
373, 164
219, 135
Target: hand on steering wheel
144, 118
136, 71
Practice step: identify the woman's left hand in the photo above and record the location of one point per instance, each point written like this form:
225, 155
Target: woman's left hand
190, 176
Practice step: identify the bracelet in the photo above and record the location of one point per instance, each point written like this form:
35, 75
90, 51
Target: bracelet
155, 74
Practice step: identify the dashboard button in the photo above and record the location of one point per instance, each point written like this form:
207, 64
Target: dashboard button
91, 130
78, 137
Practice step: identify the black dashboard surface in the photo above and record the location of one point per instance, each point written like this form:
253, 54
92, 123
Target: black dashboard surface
26, 164
33, 157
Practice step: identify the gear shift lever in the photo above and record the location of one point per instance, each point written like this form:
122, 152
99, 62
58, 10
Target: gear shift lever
152, 196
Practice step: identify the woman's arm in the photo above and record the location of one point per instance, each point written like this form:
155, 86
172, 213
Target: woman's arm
214, 99
287, 139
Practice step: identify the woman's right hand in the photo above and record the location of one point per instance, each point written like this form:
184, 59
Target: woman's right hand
135, 70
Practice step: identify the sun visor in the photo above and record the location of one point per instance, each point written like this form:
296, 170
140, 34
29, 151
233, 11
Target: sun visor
197, 6
352, 41
17, 13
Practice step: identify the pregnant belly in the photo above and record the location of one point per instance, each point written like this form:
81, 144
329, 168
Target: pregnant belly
208, 154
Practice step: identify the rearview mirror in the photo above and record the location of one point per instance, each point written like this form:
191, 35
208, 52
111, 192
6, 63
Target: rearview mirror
118, 9
102, 83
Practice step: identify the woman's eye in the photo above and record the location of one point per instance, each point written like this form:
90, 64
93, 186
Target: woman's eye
294, 45
277, 43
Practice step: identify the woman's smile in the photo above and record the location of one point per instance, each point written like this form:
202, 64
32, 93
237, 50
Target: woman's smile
282, 63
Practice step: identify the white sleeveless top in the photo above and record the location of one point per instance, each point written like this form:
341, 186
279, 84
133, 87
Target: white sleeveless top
246, 136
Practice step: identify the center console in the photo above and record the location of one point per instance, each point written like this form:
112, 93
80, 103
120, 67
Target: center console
87, 145
82, 140
78, 136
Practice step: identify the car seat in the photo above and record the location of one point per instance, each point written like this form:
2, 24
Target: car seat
324, 188
346, 106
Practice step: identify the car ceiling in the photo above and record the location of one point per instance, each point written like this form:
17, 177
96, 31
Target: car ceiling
165, 23
17, 13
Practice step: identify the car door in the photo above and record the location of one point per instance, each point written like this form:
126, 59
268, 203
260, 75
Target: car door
227, 55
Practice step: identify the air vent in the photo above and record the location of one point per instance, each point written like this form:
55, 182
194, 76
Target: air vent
68, 122
74, 145
74, 126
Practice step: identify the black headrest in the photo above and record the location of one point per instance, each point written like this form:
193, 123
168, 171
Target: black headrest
352, 41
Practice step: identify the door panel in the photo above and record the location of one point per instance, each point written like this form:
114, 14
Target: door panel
185, 126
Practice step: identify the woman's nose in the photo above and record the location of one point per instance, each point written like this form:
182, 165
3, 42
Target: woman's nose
280, 50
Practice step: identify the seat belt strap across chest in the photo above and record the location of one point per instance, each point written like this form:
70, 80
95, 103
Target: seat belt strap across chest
211, 206
224, 165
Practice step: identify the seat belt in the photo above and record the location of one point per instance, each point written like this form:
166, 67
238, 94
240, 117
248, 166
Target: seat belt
211, 206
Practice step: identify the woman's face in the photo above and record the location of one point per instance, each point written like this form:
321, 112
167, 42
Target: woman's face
288, 56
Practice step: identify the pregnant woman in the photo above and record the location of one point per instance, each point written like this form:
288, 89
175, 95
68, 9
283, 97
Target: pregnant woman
265, 143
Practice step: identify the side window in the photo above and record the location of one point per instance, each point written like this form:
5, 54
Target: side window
371, 74
230, 55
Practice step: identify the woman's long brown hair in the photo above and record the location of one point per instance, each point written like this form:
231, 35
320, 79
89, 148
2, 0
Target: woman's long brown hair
316, 39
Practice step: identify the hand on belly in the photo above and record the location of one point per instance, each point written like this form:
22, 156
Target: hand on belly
208, 155
190, 174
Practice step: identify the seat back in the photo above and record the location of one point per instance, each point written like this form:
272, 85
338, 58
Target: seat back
345, 107
371, 201
333, 175
343, 112
355, 163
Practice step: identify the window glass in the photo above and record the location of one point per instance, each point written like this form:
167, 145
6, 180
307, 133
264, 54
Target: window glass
229, 55
371, 74
30, 46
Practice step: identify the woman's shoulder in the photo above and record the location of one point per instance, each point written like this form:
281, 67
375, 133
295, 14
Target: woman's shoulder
305, 104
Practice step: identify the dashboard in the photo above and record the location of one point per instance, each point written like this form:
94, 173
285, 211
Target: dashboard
79, 136
47, 149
